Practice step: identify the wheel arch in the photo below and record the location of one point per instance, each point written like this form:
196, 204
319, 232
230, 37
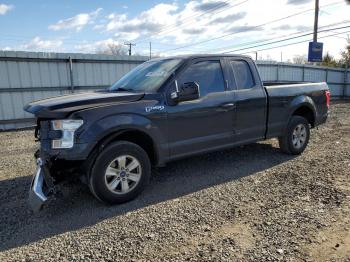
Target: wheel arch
130, 134
133, 135
304, 106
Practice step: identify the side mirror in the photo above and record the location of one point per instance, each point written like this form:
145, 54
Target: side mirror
188, 91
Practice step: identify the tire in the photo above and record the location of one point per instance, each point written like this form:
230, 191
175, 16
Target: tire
110, 179
297, 136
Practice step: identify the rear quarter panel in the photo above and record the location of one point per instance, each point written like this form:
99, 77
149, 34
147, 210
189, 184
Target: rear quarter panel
284, 100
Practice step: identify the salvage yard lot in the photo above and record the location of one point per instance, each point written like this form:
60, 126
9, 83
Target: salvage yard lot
250, 203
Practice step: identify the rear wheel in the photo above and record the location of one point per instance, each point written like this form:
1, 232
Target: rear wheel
297, 136
120, 173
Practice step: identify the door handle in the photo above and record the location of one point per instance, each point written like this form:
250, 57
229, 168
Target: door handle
228, 105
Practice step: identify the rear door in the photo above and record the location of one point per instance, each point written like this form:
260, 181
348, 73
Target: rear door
250, 100
204, 123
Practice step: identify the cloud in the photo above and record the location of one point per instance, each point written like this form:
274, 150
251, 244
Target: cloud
147, 22
206, 6
229, 18
298, 2
174, 23
168, 21
116, 20
38, 44
303, 28
149, 27
98, 27
77, 22
126, 36
286, 27
244, 28
94, 47
194, 31
283, 27
5, 8
6, 48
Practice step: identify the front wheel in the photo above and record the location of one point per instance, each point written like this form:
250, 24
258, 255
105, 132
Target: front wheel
297, 136
120, 173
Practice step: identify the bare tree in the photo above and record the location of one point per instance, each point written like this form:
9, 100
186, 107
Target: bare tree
300, 59
345, 55
113, 49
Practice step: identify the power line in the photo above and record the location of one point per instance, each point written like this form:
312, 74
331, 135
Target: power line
303, 41
287, 39
212, 9
253, 27
218, 6
270, 39
72, 40
240, 3
295, 33
189, 18
345, 38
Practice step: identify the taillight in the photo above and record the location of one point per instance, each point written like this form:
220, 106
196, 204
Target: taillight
328, 97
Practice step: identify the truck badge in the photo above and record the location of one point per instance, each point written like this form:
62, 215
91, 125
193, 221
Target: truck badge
154, 108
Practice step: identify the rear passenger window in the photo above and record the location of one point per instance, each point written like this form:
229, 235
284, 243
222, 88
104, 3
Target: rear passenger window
242, 74
207, 74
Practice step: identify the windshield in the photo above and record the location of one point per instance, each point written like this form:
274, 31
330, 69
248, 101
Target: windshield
148, 76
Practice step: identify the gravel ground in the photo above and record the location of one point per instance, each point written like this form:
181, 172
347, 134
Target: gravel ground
250, 203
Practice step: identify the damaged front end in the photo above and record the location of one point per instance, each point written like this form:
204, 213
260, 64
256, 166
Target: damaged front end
41, 187
52, 167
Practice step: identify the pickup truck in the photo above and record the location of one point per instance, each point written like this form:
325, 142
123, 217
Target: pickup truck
162, 110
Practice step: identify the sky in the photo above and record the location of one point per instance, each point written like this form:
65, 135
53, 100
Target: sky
174, 27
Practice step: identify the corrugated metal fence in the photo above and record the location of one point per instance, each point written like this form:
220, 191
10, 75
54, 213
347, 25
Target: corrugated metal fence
27, 76
337, 79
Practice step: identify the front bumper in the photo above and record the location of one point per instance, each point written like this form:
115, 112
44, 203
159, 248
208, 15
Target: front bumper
39, 189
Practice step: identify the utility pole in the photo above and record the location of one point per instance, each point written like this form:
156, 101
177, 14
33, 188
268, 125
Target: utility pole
256, 55
150, 50
317, 8
129, 44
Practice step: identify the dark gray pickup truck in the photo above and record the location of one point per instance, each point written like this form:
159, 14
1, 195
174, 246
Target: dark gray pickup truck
163, 110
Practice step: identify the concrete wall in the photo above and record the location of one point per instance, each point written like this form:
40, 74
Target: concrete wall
27, 76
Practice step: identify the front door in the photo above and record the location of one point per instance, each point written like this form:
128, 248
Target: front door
204, 123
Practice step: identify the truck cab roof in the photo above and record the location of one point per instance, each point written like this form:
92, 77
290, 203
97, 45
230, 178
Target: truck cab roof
194, 56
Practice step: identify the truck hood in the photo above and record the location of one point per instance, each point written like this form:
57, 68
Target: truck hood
62, 106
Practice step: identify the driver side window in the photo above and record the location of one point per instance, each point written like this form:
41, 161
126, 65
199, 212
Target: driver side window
207, 74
